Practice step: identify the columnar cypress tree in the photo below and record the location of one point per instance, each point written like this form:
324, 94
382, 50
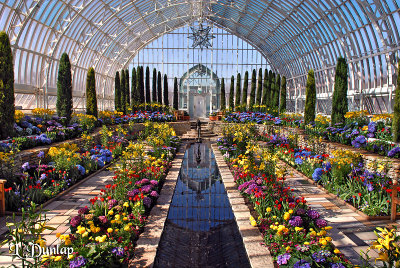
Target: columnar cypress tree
7, 99
253, 90
339, 98
142, 93
223, 97
245, 87
238, 91
231, 94
166, 101
265, 91
148, 85
64, 88
159, 89
311, 95
176, 97
277, 92
396, 110
127, 89
154, 85
123, 92
117, 93
134, 96
259, 88
91, 98
282, 99
271, 87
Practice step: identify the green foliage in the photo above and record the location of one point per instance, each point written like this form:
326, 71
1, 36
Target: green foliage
148, 85
223, 100
265, 89
159, 89
154, 96
64, 88
253, 89
166, 101
311, 96
271, 88
282, 99
259, 87
117, 93
238, 90
127, 90
245, 87
339, 98
123, 92
176, 99
134, 96
141, 85
396, 110
7, 108
231, 94
277, 92
91, 98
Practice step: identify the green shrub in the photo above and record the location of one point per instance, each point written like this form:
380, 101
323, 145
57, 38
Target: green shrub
159, 89
272, 82
282, 99
7, 108
127, 89
176, 97
154, 96
166, 101
265, 90
64, 88
339, 98
396, 110
141, 85
223, 102
277, 92
123, 92
245, 87
91, 98
148, 85
311, 95
259, 88
231, 94
238, 91
253, 90
134, 96
117, 93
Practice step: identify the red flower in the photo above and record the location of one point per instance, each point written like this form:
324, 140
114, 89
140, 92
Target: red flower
359, 194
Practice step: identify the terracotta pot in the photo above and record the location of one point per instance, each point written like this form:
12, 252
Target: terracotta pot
213, 117
186, 117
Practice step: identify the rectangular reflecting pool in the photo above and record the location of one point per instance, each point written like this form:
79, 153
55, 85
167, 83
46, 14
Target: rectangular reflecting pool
200, 230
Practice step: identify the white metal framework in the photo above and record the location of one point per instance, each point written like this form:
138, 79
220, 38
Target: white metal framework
293, 36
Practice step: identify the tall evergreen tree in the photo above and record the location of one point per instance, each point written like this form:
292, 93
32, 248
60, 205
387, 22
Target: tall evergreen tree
91, 98
223, 100
142, 93
127, 89
159, 89
277, 92
265, 91
166, 101
339, 98
238, 91
64, 88
259, 88
154, 95
123, 92
176, 97
7, 99
396, 109
134, 92
271, 89
311, 95
148, 100
282, 99
231, 94
117, 92
245, 87
253, 90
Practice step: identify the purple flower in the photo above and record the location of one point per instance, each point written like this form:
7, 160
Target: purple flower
317, 174
144, 181
321, 223
147, 188
318, 258
300, 211
75, 221
112, 203
394, 151
313, 214
40, 154
370, 187
298, 161
147, 201
372, 127
283, 259
25, 166
118, 251
296, 221
154, 182
78, 262
302, 264
154, 194
133, 193
84, 210
337, 265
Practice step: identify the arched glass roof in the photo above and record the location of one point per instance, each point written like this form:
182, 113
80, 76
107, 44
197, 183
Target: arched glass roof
293, 36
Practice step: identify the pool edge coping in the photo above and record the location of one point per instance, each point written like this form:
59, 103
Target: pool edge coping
259, 255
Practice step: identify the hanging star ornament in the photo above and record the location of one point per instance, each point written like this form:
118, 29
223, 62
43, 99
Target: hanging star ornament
201, 37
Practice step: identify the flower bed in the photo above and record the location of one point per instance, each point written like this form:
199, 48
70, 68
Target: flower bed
104, 234
295, 234
367, 187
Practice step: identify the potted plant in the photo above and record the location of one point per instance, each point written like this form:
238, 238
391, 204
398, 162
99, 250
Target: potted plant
186, 116
213, 116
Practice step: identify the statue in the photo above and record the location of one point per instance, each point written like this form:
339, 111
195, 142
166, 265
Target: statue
198, 130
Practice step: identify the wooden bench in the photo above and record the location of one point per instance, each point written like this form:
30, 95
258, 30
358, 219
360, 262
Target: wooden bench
395, 201
2, 198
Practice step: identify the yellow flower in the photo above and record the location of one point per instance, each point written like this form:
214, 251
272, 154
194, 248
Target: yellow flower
297, 229
126, 204
45, 258
58, 258
336, 251
253, 223
286, 216
110, 230
322, 241
111, 212
127, 228
269, 209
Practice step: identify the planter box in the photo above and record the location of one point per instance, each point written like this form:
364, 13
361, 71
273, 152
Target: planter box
213, 117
